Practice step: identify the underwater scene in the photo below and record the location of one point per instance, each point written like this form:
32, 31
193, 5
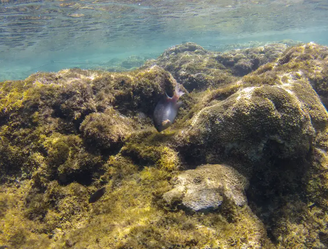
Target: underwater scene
163, 124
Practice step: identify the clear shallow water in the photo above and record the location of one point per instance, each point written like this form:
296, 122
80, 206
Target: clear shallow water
52, 35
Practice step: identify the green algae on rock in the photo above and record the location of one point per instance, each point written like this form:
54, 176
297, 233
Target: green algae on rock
43, 113
197, 68
282, 117
272, 124
107, 129
65, 135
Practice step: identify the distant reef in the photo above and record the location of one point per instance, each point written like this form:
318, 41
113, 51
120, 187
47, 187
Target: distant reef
245, 165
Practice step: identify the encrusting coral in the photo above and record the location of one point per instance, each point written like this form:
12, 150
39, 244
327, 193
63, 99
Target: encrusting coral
243, 166
206, 186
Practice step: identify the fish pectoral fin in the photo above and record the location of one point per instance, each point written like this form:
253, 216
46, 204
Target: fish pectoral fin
166, 123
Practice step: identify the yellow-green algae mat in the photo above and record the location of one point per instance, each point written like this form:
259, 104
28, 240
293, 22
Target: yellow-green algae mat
65, 135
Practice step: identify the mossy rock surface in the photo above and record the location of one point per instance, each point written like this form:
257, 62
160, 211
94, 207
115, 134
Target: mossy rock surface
81, 165
198, 69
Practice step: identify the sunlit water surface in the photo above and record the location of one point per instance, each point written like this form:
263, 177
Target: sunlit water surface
52, 35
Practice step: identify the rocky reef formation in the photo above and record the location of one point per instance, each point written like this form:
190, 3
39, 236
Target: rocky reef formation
199, 69
244, 166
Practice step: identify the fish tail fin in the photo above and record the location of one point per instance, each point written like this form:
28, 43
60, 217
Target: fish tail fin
178, 90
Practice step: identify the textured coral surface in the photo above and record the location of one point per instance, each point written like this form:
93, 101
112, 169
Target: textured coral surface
207, 186
244, 165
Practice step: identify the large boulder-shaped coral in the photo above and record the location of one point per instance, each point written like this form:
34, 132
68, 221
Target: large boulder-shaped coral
274, 113
207, 186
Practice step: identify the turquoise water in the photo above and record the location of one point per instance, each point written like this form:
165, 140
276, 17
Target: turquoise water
53, 35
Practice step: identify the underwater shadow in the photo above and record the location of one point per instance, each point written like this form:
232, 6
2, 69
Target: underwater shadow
274, 187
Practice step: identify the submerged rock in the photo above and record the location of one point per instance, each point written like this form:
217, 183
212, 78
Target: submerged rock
198, 69
207, 186
106, 130
272, 112
244, 61
65, 135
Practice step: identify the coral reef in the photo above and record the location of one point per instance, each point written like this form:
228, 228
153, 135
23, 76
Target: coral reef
243, 166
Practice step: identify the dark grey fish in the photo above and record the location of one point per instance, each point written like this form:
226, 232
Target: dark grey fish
97, 195
166, 110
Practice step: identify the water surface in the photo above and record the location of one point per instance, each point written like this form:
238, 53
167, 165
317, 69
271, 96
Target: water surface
52, 35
